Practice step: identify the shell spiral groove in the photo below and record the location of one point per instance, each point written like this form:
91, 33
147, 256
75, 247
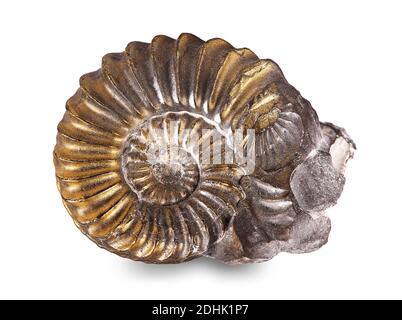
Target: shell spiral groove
170, 211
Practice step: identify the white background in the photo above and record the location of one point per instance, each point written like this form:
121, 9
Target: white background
344, 56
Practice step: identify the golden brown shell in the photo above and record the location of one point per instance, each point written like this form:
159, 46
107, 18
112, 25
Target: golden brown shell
141, 210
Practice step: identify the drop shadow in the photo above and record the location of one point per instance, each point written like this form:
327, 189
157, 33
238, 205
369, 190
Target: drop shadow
193, 268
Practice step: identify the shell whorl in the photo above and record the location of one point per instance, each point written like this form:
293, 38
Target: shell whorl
159, 211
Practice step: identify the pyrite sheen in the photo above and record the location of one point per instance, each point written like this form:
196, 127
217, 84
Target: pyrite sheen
177, 208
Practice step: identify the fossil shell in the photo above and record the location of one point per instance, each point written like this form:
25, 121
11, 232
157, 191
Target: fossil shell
172, 210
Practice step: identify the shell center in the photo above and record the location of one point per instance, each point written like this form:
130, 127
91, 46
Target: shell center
168, 173
159, 168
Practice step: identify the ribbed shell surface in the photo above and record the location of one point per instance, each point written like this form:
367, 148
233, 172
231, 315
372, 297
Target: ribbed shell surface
108, 188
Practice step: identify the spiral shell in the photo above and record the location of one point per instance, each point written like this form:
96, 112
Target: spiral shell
170, 211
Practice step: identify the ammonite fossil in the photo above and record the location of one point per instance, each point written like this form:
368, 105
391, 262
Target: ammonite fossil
183, 148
